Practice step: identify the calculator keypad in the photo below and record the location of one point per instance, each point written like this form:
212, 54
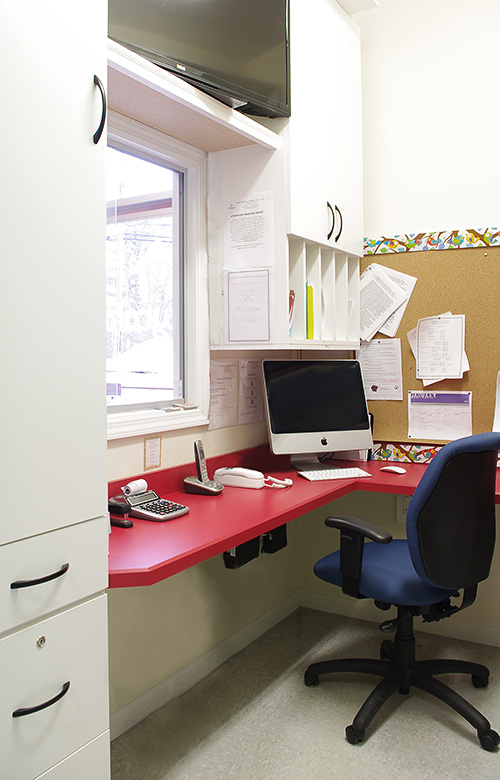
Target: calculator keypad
159, 510
161, 507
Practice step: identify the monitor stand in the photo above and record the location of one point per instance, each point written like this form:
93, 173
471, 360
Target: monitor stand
308, 463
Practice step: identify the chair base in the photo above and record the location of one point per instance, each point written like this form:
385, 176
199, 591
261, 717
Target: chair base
399, 671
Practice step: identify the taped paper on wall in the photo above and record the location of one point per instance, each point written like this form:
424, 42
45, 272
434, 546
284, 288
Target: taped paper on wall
249, 232
247, 295
223, 393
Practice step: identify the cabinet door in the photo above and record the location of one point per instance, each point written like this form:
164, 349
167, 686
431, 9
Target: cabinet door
347, 168
36, 665
311, 125
52, 274
325, 127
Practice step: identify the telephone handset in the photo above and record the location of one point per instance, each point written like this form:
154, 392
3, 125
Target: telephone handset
201, 484
201, 463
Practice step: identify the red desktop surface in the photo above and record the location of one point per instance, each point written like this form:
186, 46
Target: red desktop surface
151, 551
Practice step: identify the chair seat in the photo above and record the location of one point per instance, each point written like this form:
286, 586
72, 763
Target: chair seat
387, 575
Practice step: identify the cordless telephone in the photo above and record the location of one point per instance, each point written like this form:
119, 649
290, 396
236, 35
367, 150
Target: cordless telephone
201, 484
201, 463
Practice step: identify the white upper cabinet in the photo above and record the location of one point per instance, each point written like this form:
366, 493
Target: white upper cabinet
53, 432
324, 131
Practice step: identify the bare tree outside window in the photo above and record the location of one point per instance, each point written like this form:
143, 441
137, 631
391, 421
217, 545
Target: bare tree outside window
144, 282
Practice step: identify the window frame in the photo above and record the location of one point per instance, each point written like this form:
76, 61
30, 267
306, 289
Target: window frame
141, 139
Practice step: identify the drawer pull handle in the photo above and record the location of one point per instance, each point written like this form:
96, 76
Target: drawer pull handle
30, 710
29, 583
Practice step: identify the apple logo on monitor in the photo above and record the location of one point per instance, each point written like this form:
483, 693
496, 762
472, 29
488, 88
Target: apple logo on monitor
324, 441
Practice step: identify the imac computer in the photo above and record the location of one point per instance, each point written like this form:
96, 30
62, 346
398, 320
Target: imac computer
315, 408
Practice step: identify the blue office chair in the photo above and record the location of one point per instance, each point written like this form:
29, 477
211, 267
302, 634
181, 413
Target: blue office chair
450, 529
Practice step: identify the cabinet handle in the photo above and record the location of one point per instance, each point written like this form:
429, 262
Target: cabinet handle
341, 224
98, 132
48, 577
328, 205
30, 710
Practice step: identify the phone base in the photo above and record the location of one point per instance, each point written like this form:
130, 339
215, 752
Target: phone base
208, 488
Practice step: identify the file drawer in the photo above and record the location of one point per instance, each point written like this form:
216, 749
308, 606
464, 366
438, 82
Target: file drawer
34, 579
53, 678
91, 762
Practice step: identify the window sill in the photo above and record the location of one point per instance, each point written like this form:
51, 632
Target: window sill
126, 424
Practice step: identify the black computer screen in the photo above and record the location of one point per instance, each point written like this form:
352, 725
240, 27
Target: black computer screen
315, 396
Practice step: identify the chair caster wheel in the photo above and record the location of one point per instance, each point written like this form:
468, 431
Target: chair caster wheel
489, 740
479, 682
310, 678
354, 736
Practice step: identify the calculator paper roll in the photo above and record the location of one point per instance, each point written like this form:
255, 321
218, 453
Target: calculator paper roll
135, 487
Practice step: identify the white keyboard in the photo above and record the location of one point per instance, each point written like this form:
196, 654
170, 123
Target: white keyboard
339, 473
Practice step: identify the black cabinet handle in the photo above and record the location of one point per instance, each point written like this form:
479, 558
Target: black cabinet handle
48, 577
30, 710
328, 205
341, 224
22, 711
98, 132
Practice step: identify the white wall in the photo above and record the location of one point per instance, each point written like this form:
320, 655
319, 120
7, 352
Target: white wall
430, 115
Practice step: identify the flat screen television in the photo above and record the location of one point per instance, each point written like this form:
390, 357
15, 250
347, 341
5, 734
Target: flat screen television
235, 50
315, 408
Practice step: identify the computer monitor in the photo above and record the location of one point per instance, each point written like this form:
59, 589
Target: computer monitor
314, 408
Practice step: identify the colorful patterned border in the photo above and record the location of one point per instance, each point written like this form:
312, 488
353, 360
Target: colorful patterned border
403, 453
445, 239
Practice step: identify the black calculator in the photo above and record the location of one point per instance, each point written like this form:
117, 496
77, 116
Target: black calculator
149, 506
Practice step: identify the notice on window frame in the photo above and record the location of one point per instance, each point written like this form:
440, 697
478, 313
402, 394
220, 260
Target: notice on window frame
439, 416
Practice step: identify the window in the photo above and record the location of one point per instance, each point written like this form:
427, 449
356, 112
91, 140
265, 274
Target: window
157, 357
144, 286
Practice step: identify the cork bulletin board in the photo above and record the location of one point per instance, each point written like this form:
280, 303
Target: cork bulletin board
463, 281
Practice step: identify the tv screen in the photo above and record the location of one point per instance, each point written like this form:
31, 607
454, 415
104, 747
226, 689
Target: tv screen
316, 406
236, 50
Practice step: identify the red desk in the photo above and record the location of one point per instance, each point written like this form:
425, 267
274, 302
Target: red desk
150, 552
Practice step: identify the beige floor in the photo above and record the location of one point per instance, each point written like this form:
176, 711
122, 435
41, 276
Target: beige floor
253, 717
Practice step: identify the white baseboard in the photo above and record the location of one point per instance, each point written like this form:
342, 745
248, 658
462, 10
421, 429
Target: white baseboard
182, 681
174, 686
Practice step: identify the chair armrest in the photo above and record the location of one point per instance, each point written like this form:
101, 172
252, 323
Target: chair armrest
347, 522
353, 531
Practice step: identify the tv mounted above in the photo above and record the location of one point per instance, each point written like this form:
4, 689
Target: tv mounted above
234, 50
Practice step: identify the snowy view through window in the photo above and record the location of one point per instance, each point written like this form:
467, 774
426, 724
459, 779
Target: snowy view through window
143, 284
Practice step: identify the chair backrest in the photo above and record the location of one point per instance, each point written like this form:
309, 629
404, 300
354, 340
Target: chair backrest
450, 523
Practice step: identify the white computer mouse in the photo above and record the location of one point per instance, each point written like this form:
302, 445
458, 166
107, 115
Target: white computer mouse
394, 469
